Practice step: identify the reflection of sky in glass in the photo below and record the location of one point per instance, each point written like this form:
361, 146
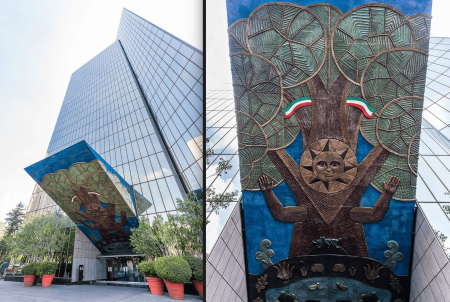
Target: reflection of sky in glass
433, 185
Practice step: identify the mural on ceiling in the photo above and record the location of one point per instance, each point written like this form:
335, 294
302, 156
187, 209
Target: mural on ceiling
92, 194
329, 110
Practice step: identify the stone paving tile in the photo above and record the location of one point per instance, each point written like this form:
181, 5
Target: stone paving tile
14, 291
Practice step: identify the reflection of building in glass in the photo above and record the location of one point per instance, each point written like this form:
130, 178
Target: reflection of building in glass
430, 267
195, 145
137, 104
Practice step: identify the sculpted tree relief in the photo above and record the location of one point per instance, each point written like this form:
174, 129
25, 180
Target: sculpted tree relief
313, 76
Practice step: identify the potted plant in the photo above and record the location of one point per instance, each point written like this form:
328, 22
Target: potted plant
156, 285
175, 271
29, 274
47, 270
196, 265
36, 266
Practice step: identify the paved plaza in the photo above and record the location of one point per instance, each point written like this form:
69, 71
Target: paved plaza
14, 291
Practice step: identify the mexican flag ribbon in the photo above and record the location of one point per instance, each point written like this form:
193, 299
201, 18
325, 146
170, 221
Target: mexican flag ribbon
362, 105
306, 101
299, 103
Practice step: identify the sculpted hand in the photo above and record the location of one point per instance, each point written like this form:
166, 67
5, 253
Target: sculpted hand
264, 184
392, 184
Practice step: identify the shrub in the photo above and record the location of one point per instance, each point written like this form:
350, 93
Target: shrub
196, 265
47, 268
30, 269
173, 269
147, 268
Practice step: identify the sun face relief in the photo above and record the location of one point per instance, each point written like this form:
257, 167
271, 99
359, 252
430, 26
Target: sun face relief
328, 165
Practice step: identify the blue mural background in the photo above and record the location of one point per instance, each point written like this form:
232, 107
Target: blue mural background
396, 225
80, 152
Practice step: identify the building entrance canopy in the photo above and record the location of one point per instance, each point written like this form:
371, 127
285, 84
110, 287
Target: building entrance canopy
95, 197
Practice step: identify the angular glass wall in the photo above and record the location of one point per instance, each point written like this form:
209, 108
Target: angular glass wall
170, 74
222, 144
433, 185
437, 99
103, 106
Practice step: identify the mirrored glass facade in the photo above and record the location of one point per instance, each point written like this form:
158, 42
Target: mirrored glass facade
170, 74
139, 105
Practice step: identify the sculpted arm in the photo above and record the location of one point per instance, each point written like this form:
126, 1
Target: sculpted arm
367, 215
279, 212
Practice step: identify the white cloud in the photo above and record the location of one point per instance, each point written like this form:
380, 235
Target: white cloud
158, 174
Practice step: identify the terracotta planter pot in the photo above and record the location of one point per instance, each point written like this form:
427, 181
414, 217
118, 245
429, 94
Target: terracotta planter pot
28, 280
199, 287
47, 280
156, 285
36, 280
176, 290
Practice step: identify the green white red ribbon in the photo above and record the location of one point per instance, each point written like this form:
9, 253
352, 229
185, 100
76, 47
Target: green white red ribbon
90, 192
361, 104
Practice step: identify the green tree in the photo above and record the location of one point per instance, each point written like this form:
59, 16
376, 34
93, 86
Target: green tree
217, 201
15, 219
42, 236
181, 234
144, 241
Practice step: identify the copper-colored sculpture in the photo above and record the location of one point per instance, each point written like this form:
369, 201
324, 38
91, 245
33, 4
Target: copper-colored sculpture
103, 220
336, 215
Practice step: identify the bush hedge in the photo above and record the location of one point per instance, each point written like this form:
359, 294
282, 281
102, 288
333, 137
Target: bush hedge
30, 269
173, 269
196, 265
47, 268
147, 268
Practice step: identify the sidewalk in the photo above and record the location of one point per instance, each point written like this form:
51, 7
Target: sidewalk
14, 291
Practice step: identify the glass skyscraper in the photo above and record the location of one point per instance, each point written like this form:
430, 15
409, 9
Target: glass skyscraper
139, 105
430, 267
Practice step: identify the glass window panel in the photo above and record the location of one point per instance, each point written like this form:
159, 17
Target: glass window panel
141, 170
135, 148
123, 151
155, 143
422, 192
127, 174
165, 193
126, 135
181, 60
148, 168
164, 164
130, 152
158, 202
134, 173
432, 181
149, 145
431, 143
157, 171
188, 79
118, 156
191, 178
147, 195
182, 86
195, 71
197, 59
140, 130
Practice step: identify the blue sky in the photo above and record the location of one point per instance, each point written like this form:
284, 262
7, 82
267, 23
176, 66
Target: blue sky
42, 43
